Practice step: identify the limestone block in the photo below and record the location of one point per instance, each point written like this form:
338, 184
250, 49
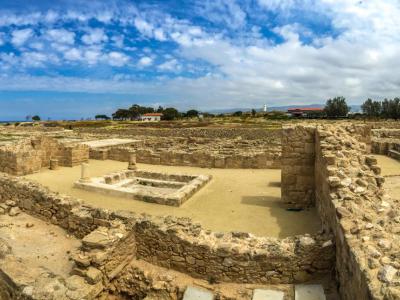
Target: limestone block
309, 292
93, 275
261, 294
195, 293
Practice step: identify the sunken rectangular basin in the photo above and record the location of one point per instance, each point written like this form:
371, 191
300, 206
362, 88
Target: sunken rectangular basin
155, 187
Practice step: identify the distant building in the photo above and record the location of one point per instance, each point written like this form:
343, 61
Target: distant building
265, 108
151, 117
305, 112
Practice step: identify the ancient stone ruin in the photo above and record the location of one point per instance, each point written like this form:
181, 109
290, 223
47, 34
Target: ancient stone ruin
167, 189
97, 253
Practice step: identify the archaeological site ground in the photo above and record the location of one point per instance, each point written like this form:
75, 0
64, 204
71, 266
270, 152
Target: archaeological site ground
117, 210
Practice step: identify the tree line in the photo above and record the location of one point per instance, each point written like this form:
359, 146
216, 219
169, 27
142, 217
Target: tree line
386, 109
334, 108
135, 111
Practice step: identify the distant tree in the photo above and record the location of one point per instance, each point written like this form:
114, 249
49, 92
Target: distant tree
28, 118
121, 114
336, 107
371, 108
170, 113
395, 108
253, 112
208, 115
192, 113
276, 115
137, 110
36, 118
102, 117
160, 109
237, 113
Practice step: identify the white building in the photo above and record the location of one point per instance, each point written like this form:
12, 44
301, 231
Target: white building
151, 117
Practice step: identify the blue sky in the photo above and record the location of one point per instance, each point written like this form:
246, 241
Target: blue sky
75, 58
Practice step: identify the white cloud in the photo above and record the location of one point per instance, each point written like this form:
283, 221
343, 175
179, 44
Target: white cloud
34, 59
144, 27
118, 40
92, 56
145, 61
235, 63
19, 37
94, 36
159, 35
226, 12
7, 19
51, 16
73, 54
36, 45
61, 36
117, 59
171, 65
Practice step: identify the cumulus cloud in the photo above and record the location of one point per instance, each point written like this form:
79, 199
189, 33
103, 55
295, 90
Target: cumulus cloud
117, 59
73, 54
92, 56
227, 12
145, 61
229, 55
61, 36
19, 37
171, 65
94, 36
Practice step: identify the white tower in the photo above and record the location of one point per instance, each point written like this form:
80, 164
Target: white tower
265, 108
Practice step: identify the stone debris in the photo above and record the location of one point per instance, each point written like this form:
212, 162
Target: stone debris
387, 274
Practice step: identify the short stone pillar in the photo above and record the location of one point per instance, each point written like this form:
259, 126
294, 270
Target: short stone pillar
85, 172
132, 161
53, 164
108, 179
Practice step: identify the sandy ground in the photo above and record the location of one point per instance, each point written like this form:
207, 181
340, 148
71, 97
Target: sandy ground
42, 245
234, 200
390, 166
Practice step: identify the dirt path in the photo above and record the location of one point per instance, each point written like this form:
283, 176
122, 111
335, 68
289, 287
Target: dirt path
235, 199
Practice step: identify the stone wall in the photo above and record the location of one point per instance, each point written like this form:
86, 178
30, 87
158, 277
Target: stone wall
30, 155
210, 133
384, 145
181, 244
193, 159
351, 203
234, 257
386, 133
207, 160
354, 207
297, 177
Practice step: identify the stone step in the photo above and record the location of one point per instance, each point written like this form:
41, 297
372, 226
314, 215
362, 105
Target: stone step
309, 292
394, 154
261, 294
196, 293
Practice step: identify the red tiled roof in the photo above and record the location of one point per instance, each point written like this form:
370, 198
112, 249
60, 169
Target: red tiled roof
153, 115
